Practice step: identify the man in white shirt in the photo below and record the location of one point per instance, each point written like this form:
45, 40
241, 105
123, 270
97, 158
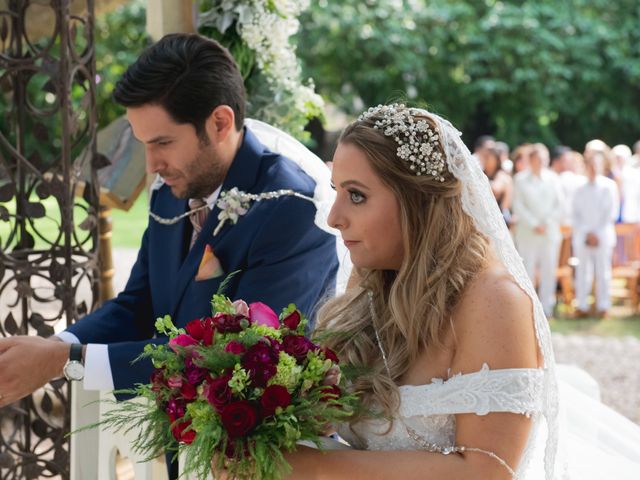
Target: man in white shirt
595, 208
538, 204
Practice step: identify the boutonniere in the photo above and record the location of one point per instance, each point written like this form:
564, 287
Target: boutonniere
235, 203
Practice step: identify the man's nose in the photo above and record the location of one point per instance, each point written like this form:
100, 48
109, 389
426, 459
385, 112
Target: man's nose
153, 162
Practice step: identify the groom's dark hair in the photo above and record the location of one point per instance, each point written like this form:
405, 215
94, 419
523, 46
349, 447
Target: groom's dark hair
189, 76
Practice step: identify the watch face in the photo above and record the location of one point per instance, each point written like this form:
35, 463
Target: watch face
74, 371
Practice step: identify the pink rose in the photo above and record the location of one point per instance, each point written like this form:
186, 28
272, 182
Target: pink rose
332, 377
241, 308
183, 340
263, 315
175, 381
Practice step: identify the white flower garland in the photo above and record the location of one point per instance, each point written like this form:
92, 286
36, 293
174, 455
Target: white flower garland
266, 26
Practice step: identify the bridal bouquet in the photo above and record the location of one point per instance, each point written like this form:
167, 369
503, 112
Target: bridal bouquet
238, 389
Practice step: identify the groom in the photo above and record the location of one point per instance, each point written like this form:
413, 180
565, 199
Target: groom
185, 101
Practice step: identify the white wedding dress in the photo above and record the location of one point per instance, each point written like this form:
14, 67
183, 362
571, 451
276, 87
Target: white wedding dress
573, 435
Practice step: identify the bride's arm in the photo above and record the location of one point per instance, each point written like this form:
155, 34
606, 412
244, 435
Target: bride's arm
311, 464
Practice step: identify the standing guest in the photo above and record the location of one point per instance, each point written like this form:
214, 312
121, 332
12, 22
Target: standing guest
570, 179
505, 162
520, 158
480, 147
595, 208
559, 158
500, 181
538, 204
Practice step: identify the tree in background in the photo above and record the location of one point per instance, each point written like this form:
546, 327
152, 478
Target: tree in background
121, 36
544, 70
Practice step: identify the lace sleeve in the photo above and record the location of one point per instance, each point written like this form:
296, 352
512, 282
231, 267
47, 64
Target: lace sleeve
516, 390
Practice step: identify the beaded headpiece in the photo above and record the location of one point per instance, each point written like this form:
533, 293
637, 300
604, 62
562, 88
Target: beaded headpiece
418, 142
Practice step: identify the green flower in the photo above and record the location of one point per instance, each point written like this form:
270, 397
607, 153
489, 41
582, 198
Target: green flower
264, 331
239, 379
203, 417
288, 373
316, 368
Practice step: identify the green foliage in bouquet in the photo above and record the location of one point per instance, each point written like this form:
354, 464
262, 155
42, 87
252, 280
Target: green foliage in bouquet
238, 388
258, 35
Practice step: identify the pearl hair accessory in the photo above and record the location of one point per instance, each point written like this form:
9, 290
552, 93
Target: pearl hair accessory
418, 142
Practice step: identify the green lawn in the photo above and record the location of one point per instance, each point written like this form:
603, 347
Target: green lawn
127, 226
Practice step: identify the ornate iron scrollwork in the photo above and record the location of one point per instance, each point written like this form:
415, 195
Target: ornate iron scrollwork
48, 208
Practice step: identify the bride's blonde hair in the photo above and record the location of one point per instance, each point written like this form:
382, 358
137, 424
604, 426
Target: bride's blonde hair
443, 251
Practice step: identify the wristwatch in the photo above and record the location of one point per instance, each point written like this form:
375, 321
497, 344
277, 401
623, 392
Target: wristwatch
74, 369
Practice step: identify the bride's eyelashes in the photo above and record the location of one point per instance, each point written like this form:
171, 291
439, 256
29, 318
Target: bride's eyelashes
356, 196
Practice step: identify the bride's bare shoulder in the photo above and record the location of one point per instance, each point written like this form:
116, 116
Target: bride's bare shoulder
493, 323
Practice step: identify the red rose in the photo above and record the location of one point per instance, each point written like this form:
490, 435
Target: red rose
330, 355
274, 396
239, 418
297, 346
330, 392
179, 433
201, 330
228, 323
188, 391
292, 320
218, 392
260, 360
235, 347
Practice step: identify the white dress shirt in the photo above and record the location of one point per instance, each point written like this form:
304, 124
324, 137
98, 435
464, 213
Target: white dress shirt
538, 200
570, 182
595, 209
97, 368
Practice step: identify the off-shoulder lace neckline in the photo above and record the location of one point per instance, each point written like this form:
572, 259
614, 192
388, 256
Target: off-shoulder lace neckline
463, 376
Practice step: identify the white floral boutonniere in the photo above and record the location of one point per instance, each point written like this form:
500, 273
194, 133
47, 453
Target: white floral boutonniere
234, 203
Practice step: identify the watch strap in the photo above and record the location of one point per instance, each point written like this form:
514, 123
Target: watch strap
75, 353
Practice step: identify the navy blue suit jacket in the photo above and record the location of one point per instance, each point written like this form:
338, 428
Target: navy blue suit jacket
282, 256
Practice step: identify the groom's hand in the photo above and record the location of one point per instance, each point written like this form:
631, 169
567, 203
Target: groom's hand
27, 363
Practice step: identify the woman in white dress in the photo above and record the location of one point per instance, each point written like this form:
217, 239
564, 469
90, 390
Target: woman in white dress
443, 316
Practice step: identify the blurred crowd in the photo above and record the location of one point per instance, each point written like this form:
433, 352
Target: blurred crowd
543, 195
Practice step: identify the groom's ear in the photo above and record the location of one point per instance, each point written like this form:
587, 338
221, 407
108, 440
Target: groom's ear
220, 123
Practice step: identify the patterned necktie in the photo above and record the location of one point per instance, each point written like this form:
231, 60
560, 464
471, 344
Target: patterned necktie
197, 218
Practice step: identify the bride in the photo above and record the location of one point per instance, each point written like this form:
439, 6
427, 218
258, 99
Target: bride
445, 321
